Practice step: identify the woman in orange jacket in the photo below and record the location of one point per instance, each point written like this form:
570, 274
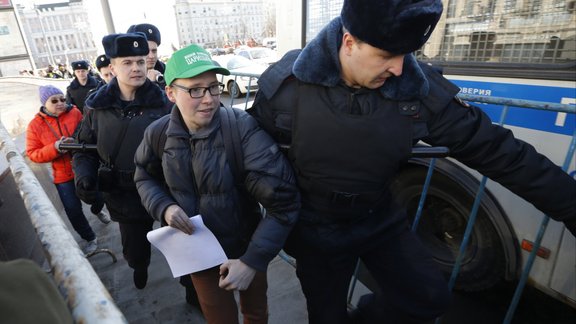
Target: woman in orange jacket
55, 123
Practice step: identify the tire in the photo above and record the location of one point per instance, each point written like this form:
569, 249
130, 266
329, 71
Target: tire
234, 89
442, 225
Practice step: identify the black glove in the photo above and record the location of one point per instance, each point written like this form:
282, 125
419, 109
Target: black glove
86, 190
98, 204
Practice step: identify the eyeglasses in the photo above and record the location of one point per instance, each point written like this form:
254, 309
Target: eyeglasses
200, 92
55, 100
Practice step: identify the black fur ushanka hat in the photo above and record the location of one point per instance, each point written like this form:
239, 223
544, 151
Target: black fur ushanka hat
396, 26
123, 45
152, 33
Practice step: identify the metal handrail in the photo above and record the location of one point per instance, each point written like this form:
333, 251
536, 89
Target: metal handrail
507, 103
86, 296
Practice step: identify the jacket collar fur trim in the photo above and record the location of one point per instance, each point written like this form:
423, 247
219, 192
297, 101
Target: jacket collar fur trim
108, 96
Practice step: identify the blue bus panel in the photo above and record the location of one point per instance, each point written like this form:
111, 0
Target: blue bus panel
522, 117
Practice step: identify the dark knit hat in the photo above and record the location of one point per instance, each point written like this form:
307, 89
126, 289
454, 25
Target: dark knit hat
48, 91
152, 33
122, 45
102, 61
396, 26
79, 65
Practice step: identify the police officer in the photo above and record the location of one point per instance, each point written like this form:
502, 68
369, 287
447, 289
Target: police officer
351, 104
155, 67
116, 116
103, 66
77, 91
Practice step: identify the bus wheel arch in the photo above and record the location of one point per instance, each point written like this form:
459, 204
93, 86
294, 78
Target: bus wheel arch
493, 252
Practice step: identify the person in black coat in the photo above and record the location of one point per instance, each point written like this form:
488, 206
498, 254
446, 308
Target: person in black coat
155, 67
77, 91
103, 66
116, 116
351, 105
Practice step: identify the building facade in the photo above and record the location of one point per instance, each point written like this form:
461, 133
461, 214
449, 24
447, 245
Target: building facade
220, 23
58, 33
14, 56
511, 31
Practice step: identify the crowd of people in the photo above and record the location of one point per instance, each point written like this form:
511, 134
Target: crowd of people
168, 150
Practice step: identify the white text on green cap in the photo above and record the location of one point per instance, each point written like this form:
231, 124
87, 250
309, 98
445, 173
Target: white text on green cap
192, 58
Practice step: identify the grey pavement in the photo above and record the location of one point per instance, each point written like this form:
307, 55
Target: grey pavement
163, 298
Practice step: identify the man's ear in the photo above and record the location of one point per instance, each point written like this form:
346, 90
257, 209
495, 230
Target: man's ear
170, 94
347, 42
112, 67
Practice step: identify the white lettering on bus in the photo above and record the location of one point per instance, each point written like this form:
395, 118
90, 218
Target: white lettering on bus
561, 117
476, 91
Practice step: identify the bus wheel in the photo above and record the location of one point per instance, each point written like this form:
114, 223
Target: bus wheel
442, 225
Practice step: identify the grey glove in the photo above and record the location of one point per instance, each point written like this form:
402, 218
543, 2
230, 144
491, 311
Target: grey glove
63, 139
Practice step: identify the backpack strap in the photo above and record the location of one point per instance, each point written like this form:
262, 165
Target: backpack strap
160, 141
50, 126
232, 145
250, 210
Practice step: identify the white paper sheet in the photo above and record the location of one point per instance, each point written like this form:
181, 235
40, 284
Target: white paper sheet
188, 253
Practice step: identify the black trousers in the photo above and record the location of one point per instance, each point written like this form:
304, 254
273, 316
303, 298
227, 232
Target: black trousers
412, 288
135, 246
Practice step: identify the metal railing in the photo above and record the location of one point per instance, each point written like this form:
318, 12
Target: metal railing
86, 296
506, 103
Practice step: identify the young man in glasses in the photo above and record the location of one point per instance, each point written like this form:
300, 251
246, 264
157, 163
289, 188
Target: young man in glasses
116, 116
54, 124
199, 179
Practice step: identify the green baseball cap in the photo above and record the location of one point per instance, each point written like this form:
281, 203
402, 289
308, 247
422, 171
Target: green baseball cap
190, 62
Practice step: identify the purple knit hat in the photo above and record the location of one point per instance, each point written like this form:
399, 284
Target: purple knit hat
48, 91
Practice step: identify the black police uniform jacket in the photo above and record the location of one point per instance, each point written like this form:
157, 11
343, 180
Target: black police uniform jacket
76, 93
199, 178
347, 144
108, 123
